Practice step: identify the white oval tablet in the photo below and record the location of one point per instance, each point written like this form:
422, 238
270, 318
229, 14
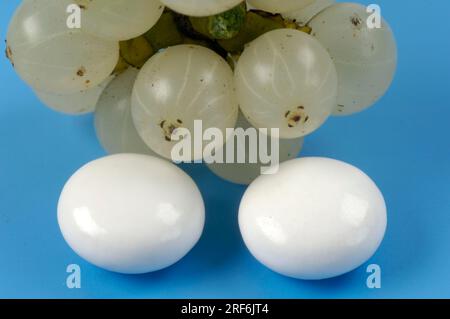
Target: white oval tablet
315, 218
131, 213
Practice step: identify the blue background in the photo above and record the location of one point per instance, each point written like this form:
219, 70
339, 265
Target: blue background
402, 143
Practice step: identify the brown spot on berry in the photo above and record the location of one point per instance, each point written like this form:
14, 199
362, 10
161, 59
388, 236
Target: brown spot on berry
9, 54
296, 116
81, 71
168, 128
356, 21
